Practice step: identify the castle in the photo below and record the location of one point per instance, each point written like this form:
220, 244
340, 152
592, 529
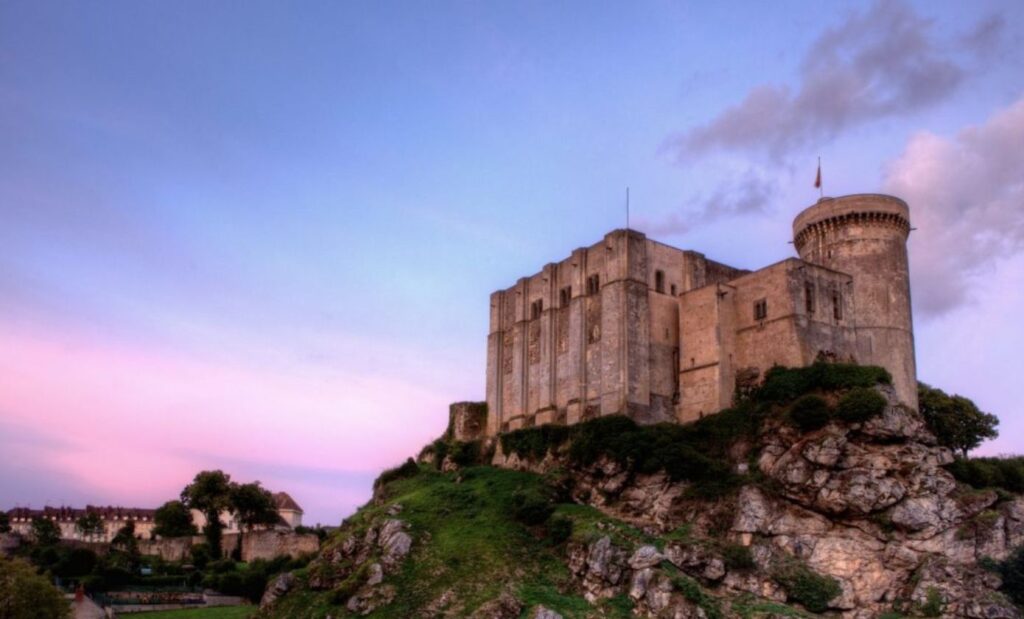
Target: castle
633, 326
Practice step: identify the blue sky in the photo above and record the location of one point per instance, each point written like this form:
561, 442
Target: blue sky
262, 235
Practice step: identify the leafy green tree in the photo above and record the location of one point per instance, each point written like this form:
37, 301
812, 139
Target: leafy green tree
173, 519
210, 493
90, 525
955, 420
253, 505
45, 532
24, 594
124, 548
5, 523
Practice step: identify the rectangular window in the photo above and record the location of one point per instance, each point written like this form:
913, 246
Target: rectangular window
673, 290
536, 308
837, 305
809, 297
659, 281
760, 309
564, 296
593, 284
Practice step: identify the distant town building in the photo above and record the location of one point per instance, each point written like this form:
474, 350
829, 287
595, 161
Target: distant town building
114, 518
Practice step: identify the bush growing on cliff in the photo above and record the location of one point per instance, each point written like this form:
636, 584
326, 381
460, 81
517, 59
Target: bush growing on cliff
559, 530
533, 443
465, 453
782, 384
531, 508
805, 586
810, 413
738, 557
1012, 571
408, 469
1004, 473
860, 404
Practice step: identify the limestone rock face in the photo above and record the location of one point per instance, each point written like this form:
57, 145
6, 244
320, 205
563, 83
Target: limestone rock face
600, 568
353, 558
868, 504
278, 587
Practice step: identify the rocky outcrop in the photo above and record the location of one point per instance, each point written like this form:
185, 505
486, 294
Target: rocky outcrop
277, 587
356, 566
868, 504
853, 520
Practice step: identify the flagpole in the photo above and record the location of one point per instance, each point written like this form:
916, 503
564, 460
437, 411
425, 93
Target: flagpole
821, 185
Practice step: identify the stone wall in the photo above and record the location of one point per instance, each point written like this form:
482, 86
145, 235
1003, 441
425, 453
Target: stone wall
255, 545
560, 351
167, 548
633, 326
270, 544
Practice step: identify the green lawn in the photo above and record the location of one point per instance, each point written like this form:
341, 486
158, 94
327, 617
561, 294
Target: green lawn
217, 612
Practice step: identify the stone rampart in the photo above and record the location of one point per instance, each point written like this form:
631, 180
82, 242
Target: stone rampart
255, 545
270, 544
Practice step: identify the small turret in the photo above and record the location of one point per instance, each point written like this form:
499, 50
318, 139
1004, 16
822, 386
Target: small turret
865, 235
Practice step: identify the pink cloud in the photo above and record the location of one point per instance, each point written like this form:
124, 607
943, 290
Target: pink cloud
967, 205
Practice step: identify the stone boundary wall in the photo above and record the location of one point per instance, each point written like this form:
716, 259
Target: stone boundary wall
255, 545
270, 544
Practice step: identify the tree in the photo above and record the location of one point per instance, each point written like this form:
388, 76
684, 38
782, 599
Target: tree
955, 420
210, 493
24, 594
124, 548
253, 505
45, 532
5, 523
90, 525
173, 519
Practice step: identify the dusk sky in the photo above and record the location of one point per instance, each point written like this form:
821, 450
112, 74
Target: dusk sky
261, 236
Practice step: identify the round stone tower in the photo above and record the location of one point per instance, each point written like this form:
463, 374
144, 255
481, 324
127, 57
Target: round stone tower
865, 236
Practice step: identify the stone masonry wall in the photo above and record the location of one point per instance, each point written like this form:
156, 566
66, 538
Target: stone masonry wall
633, 326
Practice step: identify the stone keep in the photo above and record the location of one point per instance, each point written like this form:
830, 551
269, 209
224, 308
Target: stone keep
636, 327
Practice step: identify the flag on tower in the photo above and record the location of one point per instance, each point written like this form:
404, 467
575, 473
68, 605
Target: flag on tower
817, 179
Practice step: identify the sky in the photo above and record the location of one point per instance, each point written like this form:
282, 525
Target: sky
261, 236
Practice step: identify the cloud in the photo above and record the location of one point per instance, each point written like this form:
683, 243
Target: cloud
747, 193
966, 196
986, 36
880, 63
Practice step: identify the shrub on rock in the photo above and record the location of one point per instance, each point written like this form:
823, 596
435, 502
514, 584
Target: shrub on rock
860, 404
805, 586
810, 413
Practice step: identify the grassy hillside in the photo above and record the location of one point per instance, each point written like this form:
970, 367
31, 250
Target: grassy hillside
483, 530
474, 546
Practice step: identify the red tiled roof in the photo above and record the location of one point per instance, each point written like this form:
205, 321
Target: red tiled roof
283, 500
